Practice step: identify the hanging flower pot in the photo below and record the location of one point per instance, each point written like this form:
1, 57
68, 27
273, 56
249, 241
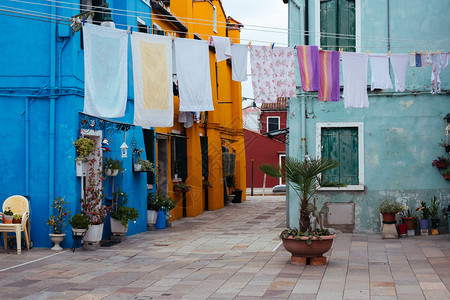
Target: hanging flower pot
111, 172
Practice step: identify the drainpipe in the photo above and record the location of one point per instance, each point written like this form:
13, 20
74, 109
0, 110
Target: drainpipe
303, 112
388, 28
52, 117
27, 147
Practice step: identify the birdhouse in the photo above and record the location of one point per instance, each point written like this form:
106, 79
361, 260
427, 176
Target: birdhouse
447, 130
123, 149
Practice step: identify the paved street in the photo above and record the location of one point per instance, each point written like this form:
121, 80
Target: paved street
228, 254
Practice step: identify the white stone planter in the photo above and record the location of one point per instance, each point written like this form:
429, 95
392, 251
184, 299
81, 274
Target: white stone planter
78, 232
93, 234
57, 238
79, 167
137, 167
117, 228
111, 172
151, 217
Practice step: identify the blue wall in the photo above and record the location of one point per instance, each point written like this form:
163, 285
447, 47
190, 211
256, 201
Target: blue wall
26, 88
401, 130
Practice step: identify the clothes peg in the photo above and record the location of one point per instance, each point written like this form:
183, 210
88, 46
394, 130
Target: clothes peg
368, 52
128, 30
421, 52
210, 40
320, 48
83, 21
341, 50
250, 45
131, 30
389, 53
273, 44
415, 52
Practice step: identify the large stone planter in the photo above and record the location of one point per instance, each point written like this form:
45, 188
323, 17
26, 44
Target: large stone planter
151, 217
93, 234
302, 253
117, 228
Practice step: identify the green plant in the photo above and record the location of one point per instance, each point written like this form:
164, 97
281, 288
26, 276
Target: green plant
8, 212
303, 177
120, 211
57, 221
316, 213
231, 183
434, 208
17, 217
389, 206
85, 146
206, 184
79, 221
424, 209
294, 232
113, 164
159, 201
182, 186
146, 165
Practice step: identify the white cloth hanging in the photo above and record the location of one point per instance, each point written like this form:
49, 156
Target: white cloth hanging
379, 65
187, 118
222, 46
194, 79
152, 76
354, 69
444, 60
412, 60
435, 74
239, 59
399, 64
105, 71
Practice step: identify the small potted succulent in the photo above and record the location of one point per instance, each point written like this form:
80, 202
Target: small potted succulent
8, 216
17, 218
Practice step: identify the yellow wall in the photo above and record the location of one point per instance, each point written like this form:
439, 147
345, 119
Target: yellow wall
224, 124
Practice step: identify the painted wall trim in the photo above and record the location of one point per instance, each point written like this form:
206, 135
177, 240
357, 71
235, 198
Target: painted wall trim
360, 126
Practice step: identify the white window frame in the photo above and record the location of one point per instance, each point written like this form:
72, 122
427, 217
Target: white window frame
267, 122
357, 24
147, 2
360, 126
158, 28
214, 18
280, 180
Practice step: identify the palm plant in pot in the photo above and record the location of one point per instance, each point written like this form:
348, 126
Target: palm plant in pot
434, 214
424, 223
303, 176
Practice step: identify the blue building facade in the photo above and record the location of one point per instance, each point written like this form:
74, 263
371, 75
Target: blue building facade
392, 143
42, 95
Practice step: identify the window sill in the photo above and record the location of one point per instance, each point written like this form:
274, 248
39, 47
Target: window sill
359, 187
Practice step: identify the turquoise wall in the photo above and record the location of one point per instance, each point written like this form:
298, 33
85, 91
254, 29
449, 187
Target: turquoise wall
31, 75
401, 130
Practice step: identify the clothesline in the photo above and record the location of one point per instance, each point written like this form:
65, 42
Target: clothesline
209, 22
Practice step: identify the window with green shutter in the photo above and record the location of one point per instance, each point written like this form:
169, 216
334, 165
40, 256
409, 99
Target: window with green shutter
337, 17
179, 157
341, 144
205, 161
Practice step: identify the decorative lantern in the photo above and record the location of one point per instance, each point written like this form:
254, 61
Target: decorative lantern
123, 149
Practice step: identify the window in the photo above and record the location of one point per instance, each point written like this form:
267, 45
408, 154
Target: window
344, 143
149, 142
179, 157
338, 17
273, 123
158, 30
141, 26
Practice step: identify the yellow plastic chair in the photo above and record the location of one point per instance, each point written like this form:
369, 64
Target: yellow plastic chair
18, 205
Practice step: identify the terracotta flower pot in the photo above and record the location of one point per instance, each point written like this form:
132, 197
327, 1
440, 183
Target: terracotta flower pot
388, 217
300, 248
409, 222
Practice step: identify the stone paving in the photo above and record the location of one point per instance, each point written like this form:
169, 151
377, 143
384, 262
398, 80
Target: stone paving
229, 254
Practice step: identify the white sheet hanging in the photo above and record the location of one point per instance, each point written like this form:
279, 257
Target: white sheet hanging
354, 69
222, 46
379, 65
194, 79
105, 71
152, 74
239, 60
399, 63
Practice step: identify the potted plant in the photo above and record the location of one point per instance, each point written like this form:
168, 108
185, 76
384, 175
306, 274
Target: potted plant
152, 208
408, 219
206, 184
443, 165
57, 221
112, 167
85, 147
142, 165
121, 214
79, 224
17, 218
303, 176
181, 187
388, 208
92, 204
8, 216
231, 184
424, 222
164, 205
434, 214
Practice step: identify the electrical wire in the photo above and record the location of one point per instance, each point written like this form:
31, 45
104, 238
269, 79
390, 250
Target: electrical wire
206, 22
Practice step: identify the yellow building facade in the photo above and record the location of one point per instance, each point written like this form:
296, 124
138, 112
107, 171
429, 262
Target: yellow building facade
194, 155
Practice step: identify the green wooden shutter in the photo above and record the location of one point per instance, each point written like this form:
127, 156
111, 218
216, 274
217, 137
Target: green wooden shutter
179, 157
341, 144
204, 149
346, 24
328, 23
149, 143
